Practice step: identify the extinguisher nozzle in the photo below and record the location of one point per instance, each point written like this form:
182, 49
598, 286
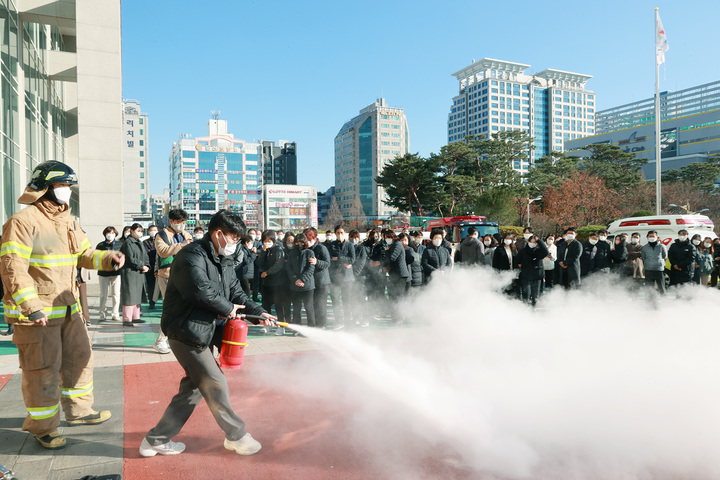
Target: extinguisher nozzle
282, 324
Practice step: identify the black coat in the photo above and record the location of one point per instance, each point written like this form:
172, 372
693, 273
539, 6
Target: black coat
345, 254
590, 261
396, 263
322, 268
105, 245
202, 287
569, 253
530, 261
681, 254
247, 265
435, 258
132, 277
416, 270
300, 268
361, 260
272, 261
501, 261
619, 255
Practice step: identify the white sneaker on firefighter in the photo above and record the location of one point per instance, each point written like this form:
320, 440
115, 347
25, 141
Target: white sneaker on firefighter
169, 448
245, 446
161, 347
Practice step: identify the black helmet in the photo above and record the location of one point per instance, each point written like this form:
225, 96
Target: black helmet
51, 172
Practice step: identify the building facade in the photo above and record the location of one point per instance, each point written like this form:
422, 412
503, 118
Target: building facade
215, 172
324, 201
362, 147
551, 106
62, 100
689, 123
136, 179
290, 207
159, 204
279, 163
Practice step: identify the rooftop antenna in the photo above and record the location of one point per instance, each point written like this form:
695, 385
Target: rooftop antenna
215, 114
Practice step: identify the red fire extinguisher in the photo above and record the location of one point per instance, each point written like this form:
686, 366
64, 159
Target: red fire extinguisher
233, 343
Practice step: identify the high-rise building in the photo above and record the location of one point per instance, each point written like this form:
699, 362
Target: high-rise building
279, 163
290, 207
62, 99
136, 179
495, 96
324, 201
362, 147
689, 122
215, 172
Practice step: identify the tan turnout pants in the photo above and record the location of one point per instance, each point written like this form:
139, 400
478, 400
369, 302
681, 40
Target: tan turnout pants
57, 369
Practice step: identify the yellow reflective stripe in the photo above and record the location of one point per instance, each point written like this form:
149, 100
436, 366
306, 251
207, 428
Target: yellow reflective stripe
76, 392
51, 312
17, 248
85, 244
97, 259
41, 413
53, 263
53, 174
24, 294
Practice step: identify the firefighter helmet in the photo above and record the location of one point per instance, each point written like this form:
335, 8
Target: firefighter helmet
51, 172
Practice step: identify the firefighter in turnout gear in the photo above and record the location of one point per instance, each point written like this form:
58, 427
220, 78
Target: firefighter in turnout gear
40, 250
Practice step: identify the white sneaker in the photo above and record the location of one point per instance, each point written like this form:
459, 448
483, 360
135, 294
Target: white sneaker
161, 347
280, 331
117, 318
245, 446
169, 448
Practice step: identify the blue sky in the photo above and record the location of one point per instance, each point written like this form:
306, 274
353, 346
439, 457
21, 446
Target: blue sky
299, 70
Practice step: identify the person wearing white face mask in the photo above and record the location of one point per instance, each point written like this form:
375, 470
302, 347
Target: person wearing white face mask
133, 278
549, 262
707, 264
274, 279
150, 276
342, 280
109, 280
198, 233
168, 243
321, 261
532, 271
435, 258
569, 252
255, 281
682, 259
634, 265
653, 256
202, 293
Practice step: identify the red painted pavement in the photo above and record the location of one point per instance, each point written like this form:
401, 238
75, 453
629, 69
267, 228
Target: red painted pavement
4, 379
302, 438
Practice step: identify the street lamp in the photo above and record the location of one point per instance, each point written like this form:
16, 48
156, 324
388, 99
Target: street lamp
687, 208
528, 207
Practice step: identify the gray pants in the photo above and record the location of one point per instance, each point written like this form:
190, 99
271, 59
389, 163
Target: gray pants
203, 379
657, 279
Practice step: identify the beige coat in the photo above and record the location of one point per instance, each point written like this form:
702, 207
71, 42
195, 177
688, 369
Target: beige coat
164, 250
41, 248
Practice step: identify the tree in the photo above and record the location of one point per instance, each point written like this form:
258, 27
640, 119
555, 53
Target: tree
409, 182
334, 216
581, 200
550, 170
458, 186
621, 171
497, 155
498, 205
703, 175
357, 214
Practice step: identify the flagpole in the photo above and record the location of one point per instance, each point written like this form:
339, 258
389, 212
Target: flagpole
658, 154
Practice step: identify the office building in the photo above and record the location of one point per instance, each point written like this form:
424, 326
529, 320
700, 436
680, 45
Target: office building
362, 147
290, 207
62, 100
279, 163
551, 106
159, 204
324, 201
136, 179
215, 172
690, 128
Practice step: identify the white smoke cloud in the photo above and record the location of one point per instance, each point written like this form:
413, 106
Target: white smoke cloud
601, 383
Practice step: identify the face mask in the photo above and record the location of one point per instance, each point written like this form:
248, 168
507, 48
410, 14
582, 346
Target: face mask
635, 241
110, 237
696, 242
405, 244
62, 194
593, 241
332, 238
310, 243
290, 246
570, 237
682, 238
532, 245
280, 237
268, 245
507, 241
652, 239
341, 237
178, 227
487, 243
527, 236
437, 242
136, 234
356, 241
549, 241
388, 241
227, 249
198, 236
152, 233
126, 234
707, 244
602, 239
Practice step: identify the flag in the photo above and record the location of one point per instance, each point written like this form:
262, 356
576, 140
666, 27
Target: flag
661, 43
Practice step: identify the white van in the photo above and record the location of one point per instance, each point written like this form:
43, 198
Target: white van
667, 226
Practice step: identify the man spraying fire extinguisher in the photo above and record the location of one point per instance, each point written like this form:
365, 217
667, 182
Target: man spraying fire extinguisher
202, 291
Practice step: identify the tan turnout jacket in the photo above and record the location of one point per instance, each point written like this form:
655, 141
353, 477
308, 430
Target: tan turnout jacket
41, 248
